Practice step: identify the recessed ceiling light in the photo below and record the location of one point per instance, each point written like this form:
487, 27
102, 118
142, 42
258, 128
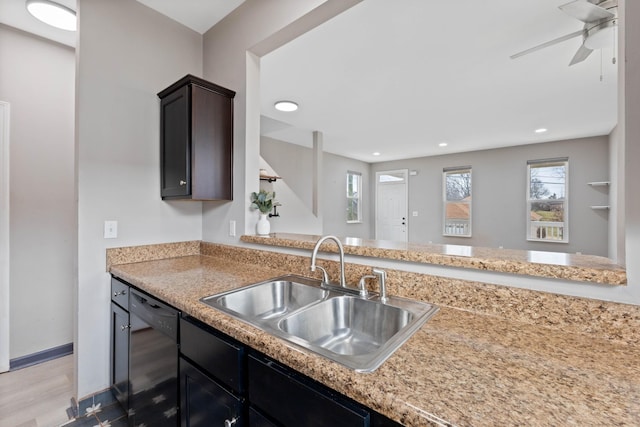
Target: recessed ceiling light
541, 130
53, 14
287, 106
443, 144
376, 153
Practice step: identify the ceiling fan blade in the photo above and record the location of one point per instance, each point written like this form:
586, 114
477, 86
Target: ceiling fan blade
582, 54
547, 44
586, 11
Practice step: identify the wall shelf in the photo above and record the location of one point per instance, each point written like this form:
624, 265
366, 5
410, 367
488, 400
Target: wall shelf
599, 183
269, 178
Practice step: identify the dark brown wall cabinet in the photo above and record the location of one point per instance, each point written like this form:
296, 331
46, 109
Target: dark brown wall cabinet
196, 140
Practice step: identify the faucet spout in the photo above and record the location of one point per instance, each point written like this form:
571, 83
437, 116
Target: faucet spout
314, 254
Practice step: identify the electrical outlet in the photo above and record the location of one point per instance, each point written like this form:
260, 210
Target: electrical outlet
232, 228
415, 213
110, 229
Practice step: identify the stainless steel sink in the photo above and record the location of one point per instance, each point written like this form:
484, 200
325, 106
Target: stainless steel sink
358, 332
347, 325
266, 300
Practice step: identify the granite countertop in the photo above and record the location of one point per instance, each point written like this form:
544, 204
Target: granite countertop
557, 265
460, 368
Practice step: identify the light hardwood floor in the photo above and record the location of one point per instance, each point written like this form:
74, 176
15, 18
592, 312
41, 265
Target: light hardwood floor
37, 396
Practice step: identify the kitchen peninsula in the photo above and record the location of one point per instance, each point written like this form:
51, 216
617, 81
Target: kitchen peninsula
556, 265
491, 356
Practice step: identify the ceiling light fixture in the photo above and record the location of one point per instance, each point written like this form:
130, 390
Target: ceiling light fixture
376, 153
442, 144
287, 106
53, 14
540, 130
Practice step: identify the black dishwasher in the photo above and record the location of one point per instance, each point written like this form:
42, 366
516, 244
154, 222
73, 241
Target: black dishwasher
153, 365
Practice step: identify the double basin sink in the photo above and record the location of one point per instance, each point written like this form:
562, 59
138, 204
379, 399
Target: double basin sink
358, 332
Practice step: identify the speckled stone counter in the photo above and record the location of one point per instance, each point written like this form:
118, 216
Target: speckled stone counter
465, 367
557, 265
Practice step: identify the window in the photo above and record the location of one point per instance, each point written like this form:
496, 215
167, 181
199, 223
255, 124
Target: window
354, 197
456, 193
547, 186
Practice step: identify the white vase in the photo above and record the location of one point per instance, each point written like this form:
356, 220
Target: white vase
263, 227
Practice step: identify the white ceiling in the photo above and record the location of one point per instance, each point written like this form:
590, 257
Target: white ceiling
14, 14
199, 15
399, 77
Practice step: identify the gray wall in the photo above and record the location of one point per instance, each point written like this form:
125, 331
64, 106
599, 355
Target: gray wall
292, 162
37, 79
295, 163
334, 197
499, 185
127, 53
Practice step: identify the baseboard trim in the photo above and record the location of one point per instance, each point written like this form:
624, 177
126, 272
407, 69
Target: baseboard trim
41, 356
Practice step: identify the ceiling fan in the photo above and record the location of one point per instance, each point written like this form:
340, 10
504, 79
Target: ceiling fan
600, 17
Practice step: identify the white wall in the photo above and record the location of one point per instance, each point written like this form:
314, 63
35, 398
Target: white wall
37, 79
294, 191
616, 192
295, 163
127, 53
631, 64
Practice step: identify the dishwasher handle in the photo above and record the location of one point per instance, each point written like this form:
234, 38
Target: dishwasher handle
154, 313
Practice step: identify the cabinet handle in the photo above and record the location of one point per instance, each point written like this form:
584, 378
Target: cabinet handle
183, 182
124, 327
115, 294
230, 423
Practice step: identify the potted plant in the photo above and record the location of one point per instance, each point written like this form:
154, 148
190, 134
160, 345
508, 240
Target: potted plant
263, 201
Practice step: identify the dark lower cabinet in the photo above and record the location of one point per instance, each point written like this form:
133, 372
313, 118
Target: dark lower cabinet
256, 419
119, 372
205, 403
212, 377
120, 355
226, 383
292, 400
223, 382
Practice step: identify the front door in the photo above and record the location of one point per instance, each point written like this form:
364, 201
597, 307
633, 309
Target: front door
391, 205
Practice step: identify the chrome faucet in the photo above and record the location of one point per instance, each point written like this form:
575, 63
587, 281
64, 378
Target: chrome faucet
362, 284
381, 276
325, 276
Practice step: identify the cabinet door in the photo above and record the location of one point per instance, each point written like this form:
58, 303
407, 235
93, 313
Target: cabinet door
211, 145
120, 355
284, 396
256, 419
175, 144
219, 357
204, 403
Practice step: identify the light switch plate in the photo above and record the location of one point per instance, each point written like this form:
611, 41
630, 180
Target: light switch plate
110, 229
